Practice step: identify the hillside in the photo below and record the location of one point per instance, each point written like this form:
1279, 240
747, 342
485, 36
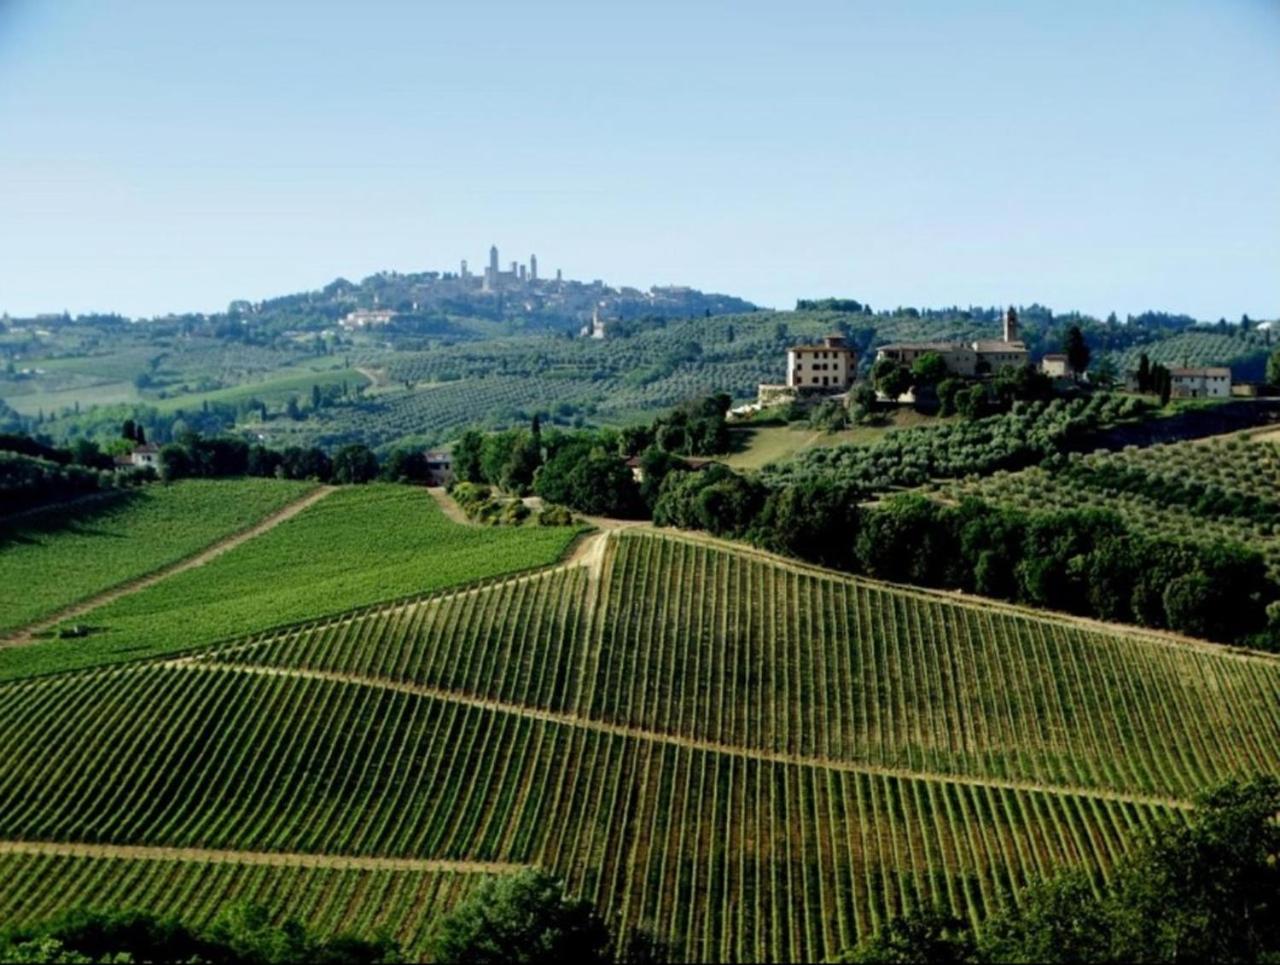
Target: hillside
286, 372
753, 758
356, 546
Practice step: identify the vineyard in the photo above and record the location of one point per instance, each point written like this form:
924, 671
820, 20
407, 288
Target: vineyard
753, 759
1208, 492
62, 555
358, 546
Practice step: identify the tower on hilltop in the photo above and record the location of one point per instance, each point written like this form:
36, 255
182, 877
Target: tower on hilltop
533, 268
493, 258
1011, 325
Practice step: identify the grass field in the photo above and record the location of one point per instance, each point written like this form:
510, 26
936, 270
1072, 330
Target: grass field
757, 446
273, 390
358, 546
66, 554
753, 759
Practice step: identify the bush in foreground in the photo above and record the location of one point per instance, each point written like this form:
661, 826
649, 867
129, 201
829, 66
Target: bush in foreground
1204, 890
242, 934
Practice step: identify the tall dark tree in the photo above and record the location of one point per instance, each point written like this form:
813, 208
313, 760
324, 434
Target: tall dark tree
1077, 350
1144, 373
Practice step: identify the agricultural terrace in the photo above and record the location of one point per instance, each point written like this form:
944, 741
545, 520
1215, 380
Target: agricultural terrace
68, 553
755, 760
1209, 491
358, 546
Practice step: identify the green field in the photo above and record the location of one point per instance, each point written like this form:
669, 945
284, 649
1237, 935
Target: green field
66, 554
755, 760
757, 446
274, 390
359, 545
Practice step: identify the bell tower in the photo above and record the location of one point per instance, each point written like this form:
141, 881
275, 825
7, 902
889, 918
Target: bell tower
1011, 325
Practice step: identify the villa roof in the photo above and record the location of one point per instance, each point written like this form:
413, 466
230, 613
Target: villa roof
1202, 372
926, 346
819, 348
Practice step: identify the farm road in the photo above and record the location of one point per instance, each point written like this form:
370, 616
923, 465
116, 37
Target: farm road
279, 859
661, 737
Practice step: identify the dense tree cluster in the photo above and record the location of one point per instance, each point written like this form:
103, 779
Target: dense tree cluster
242, 934
585, 470
1203, 890
1082, 561
34, 474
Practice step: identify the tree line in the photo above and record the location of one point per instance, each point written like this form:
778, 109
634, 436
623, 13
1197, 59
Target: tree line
1087, 562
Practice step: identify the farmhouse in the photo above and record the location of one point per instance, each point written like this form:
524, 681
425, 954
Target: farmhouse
1200, 383
823, 368
829, 365
966, 359
1055, 366
439, 468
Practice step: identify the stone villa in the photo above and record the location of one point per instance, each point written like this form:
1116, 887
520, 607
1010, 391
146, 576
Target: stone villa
967, 359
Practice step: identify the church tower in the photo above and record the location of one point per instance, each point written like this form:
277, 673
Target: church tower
1011, 325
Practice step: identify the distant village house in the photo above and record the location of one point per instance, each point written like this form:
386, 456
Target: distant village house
365, 318
1055, 366
1200, 383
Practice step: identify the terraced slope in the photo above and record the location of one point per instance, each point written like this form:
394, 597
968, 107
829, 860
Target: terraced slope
755, 760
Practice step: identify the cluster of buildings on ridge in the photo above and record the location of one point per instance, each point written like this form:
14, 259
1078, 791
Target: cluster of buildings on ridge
830, 367
520, 290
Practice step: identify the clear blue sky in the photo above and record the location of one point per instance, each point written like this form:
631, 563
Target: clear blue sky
161, 155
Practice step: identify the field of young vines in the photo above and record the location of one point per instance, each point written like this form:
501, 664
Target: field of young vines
358, 546
64, 554
749, 758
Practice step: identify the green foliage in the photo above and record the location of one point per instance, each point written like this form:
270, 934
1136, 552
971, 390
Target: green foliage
890, 378
521, 919
926, 937
1273, 368
242, 933
1205, 890
1077, 351
1027, 434
928, 369
354, 464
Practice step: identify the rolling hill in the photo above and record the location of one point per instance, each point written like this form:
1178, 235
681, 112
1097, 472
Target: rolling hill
751, 758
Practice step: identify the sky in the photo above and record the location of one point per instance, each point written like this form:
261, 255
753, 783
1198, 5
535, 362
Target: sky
1096, 155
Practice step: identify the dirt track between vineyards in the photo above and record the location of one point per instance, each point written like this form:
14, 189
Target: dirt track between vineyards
278, 859
28, 634
675, 740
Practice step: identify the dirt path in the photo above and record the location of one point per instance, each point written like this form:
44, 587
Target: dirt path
674, 740
377, 377
449, 506
278, 859
28, 634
